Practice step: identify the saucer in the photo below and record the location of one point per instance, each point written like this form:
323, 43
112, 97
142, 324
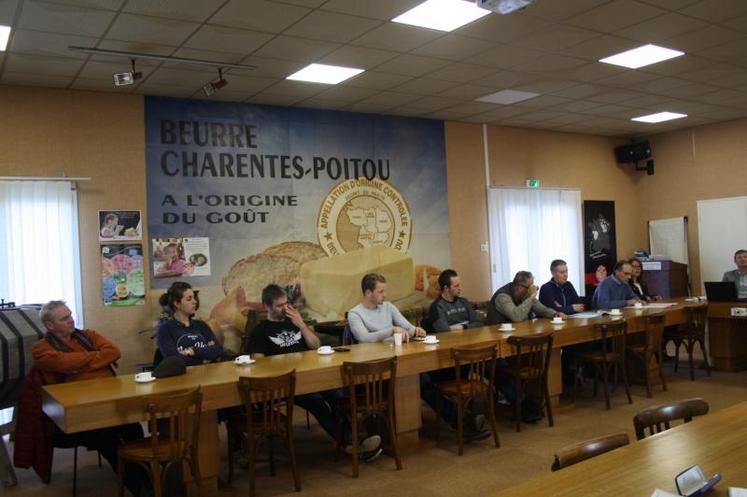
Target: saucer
507, 329
324, 353
147, 380
431, 343
245, 363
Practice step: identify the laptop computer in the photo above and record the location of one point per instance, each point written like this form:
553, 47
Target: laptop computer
721, 291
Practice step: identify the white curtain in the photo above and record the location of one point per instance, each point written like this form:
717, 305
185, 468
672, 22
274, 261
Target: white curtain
39, 252
531, 227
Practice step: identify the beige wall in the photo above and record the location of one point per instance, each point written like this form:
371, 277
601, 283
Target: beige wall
47, 132
695, 164
515, 155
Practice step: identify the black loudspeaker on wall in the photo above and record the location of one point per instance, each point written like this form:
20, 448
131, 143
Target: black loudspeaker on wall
633, 152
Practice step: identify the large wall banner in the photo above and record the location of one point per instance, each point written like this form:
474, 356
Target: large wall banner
308, 199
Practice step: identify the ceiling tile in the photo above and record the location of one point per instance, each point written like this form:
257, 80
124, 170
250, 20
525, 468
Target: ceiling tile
447, 115
661, 28
545, 85
41, 43
179, 77
362, 57
646, 101
251, 84
259, 15
627, 79
331, 26
223, 39
132, 46
273, 68
693, 90
98, 84
93, 4
428, 104
305, 3
376, 80
391, 98
24, 79
506, 79
661, 85
412, 65
461, 72
35, 64
556, 11
322, 103
733, 51
600, 47
8, 12
738, 23
501, 112
579, 106
472, 107
426, 86
615, 15
616, 96
678, 65
187, 10
103, 71
296, 49
580, 91
296, 88
504, 29
380, 9
453, 47
550, 64
716, 10
129, 27
397, 37
504, 57
269, 98
468, 92
368, 107
701, 39
65, 19
347, 94
542, 101
557, 38
590, 72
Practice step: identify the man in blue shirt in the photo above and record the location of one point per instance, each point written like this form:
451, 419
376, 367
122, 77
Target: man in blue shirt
614, 292
558, 293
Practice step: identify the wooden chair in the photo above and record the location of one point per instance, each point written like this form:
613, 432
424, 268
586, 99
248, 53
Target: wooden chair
572, 454
612, 355
174, 423
658, 418
651, 349
270, 402
531, 363
371, 397
690, 334
474, 370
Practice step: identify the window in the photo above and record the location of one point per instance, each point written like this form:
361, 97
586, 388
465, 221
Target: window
531, 227
39, 254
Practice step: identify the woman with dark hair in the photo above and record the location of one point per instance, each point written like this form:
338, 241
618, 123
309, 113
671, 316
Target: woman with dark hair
183, 336
639, 288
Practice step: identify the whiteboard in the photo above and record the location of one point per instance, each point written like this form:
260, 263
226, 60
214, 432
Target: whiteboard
722, 230
669, 237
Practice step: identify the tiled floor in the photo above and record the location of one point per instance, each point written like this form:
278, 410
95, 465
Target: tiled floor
435, 471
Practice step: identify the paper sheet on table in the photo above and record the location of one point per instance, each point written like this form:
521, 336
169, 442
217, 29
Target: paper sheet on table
737, 492
586, 315
656, 305
663, 493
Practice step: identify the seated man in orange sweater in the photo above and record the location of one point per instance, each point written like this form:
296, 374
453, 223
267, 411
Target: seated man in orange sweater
66, 354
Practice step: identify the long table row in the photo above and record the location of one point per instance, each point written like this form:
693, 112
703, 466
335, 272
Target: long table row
107, 402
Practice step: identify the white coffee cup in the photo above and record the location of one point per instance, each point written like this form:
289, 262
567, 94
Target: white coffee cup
506, 326
615, 312
557, 320
145, 376
638, 305
431, 339
325, 349
398, 339
243, 359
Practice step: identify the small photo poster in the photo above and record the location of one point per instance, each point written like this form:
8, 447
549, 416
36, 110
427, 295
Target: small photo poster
122, 275
181, 257
120, 225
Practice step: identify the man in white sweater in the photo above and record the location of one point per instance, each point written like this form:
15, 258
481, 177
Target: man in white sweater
376, 320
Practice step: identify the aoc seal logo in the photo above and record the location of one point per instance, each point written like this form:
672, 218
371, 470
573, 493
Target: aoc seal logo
362, 213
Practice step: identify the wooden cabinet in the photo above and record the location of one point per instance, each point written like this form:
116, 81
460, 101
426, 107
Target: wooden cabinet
665, 278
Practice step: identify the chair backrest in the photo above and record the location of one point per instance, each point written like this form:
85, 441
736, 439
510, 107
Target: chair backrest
347, 336
572, 454
613, 336
415, 314
654, 331
532, 355
475, 367
697, 317
174, 417
268, 402
658, 418
372, 383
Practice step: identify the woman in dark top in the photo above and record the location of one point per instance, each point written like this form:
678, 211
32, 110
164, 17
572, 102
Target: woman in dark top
639, 288
183, 336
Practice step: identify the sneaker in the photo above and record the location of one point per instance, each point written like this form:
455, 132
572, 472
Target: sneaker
367, 445
370, 456
472, 435
479, 422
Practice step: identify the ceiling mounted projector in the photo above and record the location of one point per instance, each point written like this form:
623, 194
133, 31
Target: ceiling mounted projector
503, 6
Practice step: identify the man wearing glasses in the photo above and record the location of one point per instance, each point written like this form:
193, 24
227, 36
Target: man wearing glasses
615, 292
517, 301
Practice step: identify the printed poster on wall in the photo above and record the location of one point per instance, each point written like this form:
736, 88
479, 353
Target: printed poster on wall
120, 225
308, 199
122, 275
181, 257
600, 251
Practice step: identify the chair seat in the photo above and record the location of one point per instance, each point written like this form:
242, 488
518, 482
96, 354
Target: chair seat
527, 373
452, 388
238, 421
142, 450
600, 356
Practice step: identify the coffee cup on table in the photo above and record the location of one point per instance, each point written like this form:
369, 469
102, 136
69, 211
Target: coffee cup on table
243, 359
430, 339
615, 312
145, 376
507, 326
557, 320
325, 349
638, 305
398, 339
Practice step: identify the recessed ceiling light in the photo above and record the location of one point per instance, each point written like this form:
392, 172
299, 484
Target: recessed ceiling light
323, 73
4, 35
443, 15
642, 56
659, 117
507, 97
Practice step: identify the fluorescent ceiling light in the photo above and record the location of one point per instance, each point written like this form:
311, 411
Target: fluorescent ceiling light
443, 15
323, 73
659, 117
507, 97
642, 56
4, 35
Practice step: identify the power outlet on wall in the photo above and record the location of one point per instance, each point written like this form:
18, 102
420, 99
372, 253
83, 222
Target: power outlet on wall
484, 247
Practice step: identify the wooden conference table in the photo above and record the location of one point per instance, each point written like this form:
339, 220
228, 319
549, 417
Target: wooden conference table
100, 403
716, 442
